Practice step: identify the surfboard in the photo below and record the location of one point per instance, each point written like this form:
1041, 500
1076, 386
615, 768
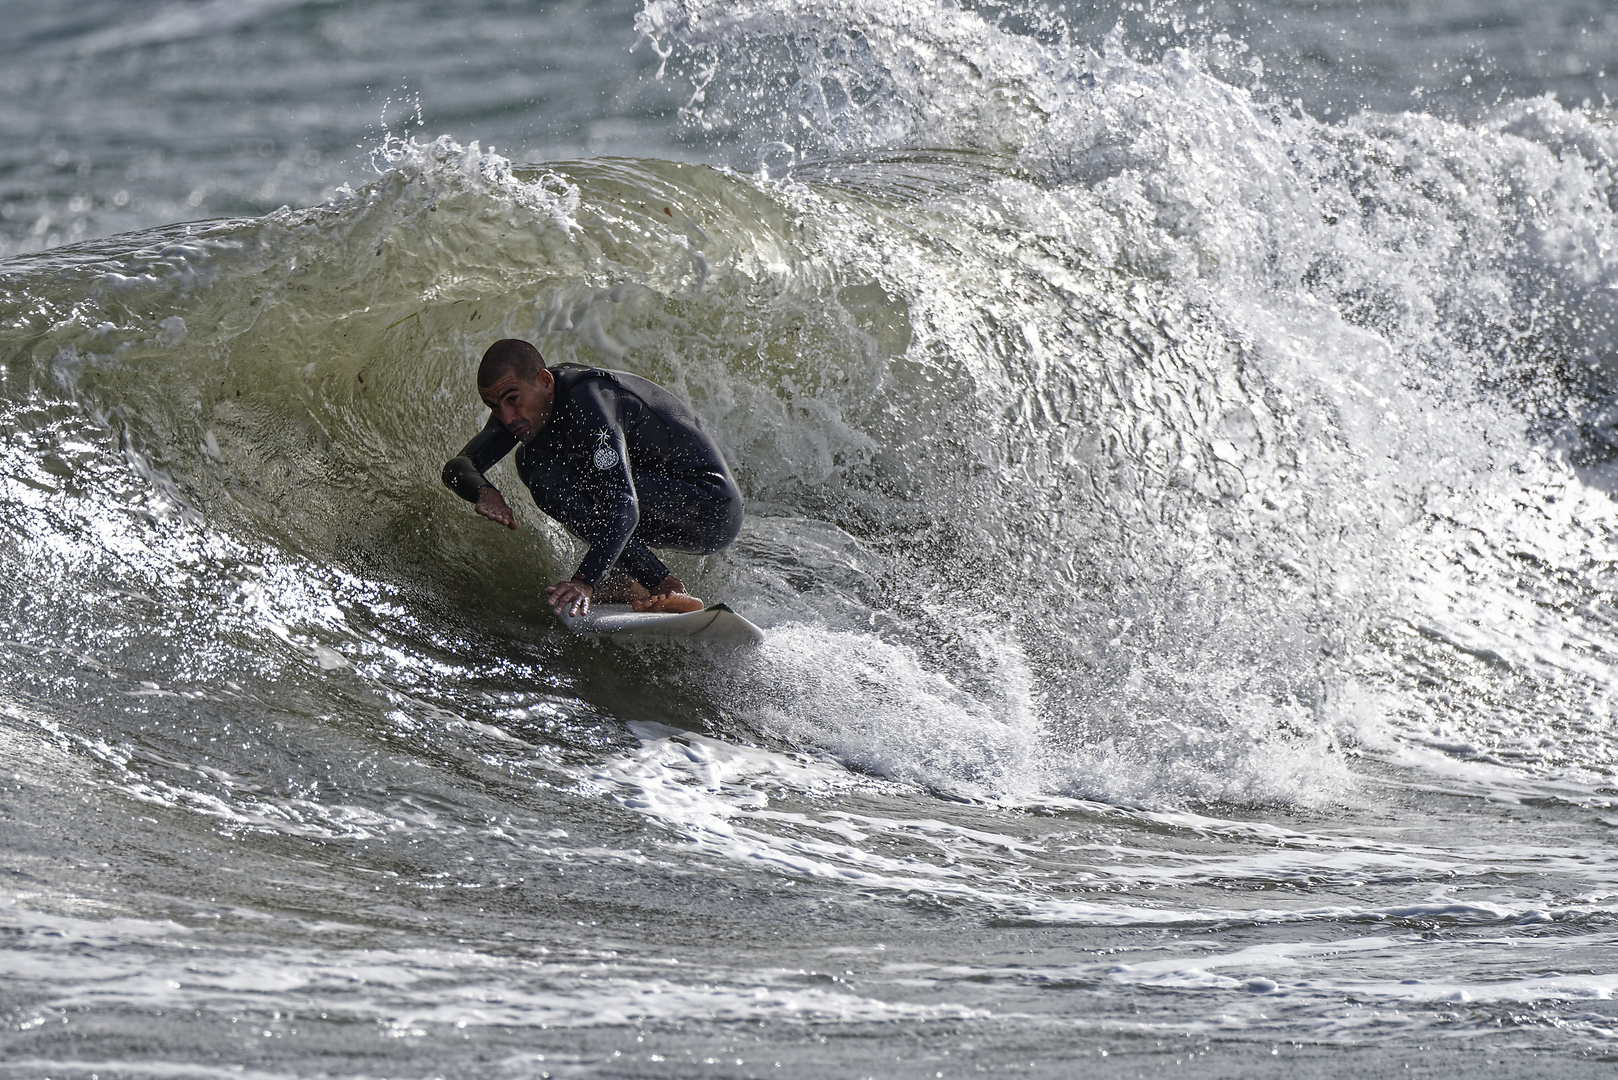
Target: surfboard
713, 623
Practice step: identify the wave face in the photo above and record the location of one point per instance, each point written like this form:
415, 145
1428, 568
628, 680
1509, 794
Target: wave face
1152, 489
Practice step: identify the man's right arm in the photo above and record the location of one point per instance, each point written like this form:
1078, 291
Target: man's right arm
463, 474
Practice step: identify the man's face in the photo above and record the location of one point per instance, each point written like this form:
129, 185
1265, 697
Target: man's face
522, 406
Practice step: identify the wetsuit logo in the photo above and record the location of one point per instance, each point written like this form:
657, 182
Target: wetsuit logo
605, 456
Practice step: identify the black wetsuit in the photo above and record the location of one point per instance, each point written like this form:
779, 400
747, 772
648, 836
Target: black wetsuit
623, 464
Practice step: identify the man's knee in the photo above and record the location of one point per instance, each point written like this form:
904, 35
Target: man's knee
728, 523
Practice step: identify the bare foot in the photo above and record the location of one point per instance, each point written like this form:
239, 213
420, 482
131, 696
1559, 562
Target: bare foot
677, 603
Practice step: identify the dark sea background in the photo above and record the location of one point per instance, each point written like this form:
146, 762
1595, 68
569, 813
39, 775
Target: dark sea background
1179, 441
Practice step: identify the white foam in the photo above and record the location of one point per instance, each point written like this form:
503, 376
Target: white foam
154, 966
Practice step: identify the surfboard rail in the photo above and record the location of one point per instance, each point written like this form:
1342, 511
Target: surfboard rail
716, 622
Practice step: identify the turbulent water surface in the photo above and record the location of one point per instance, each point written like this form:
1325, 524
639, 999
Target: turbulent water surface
1179, 443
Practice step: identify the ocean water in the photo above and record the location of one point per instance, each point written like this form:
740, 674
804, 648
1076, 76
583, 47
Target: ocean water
1179, 440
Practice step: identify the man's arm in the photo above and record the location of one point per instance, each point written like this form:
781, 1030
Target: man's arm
608, 484
463, 474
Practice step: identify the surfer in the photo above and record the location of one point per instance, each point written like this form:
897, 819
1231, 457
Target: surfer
619, 461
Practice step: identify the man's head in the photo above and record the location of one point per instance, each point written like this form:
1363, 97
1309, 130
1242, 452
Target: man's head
517, 387
509, 354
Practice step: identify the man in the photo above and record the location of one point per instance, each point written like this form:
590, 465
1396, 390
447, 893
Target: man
622, 463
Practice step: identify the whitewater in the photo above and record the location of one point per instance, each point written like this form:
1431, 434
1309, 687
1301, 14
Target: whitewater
1179, 446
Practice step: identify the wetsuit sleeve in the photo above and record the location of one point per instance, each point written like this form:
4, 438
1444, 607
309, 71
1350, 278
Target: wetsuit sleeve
463, 474
615, 509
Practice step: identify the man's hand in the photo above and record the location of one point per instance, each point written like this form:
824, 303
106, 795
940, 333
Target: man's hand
570, 597
492, 505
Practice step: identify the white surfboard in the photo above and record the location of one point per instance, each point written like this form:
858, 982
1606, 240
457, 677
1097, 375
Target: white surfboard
713, 623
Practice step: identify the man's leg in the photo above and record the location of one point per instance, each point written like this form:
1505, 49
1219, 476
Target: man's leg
700, 517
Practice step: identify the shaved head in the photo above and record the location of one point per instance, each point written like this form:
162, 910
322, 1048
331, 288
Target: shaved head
509, 355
